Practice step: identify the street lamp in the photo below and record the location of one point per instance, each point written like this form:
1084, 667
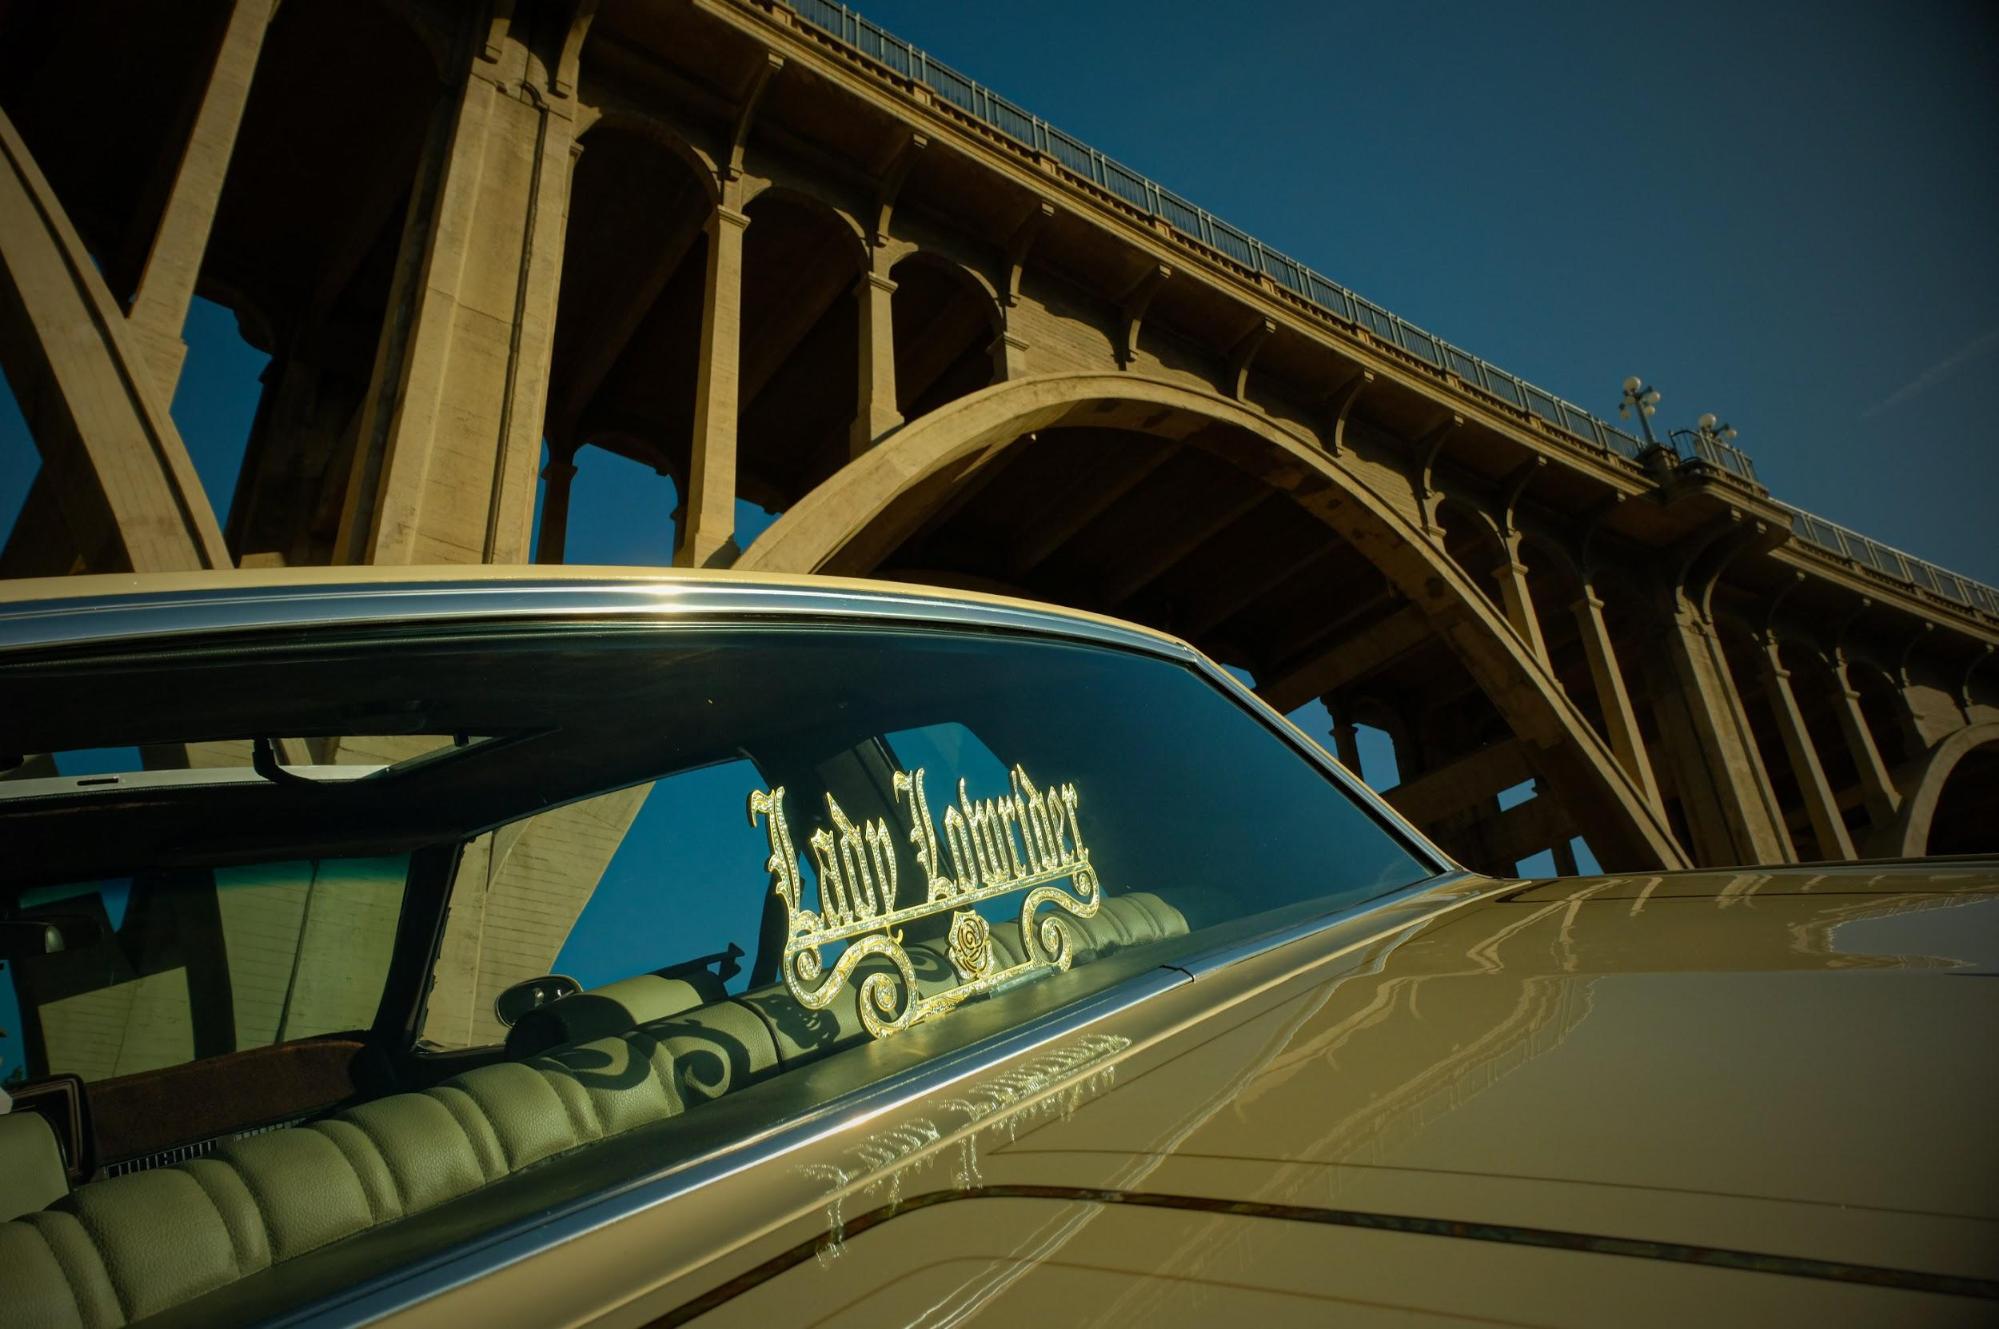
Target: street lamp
1644, 399
1712, 429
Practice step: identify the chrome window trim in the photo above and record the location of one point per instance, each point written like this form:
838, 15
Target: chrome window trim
402, 1289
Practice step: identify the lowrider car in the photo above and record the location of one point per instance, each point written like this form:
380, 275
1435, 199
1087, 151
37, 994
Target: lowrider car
595, 948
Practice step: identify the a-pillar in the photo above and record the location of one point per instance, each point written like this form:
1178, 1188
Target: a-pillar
874, 412
1820, 805
1724, 787
173, 264
444, 464
1877, 788
1627, 741
556, 478
708, 529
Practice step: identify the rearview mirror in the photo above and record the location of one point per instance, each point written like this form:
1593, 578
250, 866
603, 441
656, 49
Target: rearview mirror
531, 995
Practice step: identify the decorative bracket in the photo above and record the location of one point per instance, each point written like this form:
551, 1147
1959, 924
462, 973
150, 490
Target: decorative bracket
1243, 354
888, 181
1431, 445
1133, 304
1019, 243
1516, 485
1342, 402
746, 114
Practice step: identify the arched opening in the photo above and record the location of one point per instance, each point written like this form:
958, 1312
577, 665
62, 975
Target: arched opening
1886, 713
1966, 820
1951, 803
104, 92
1554, 587
626, 349
798, 383
946, 325
1472, 544
1197, 515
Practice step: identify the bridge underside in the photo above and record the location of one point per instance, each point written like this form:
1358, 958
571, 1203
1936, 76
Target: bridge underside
702, 238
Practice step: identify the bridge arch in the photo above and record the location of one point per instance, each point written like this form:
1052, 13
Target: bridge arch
1952, 807
117, 491
854, 521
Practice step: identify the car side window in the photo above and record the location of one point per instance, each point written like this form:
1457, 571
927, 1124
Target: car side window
621, 884
158, 969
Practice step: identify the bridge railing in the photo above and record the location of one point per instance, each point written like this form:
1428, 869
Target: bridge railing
1197, 223
1891, 562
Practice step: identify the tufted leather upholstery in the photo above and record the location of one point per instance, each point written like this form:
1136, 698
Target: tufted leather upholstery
118, 1250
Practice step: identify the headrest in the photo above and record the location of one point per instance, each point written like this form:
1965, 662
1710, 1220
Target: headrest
615, 1008
31, 1170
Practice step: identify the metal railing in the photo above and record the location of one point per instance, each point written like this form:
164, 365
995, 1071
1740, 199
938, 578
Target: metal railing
1891, 562
1695, 448
1196, 223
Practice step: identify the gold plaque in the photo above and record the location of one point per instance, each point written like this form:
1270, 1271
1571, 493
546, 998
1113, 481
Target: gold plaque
1027, 843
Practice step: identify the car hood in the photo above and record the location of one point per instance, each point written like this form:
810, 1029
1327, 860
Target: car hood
1795, 1062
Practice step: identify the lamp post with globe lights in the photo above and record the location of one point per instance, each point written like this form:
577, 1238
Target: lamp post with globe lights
1641, 398
1713, 430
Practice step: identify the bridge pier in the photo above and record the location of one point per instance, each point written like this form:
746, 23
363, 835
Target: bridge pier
450, 440
708, 532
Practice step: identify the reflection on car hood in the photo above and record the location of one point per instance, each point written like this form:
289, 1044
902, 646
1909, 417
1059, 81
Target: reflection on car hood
1794, 1061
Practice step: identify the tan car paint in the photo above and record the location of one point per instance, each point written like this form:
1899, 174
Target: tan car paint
1792, 1064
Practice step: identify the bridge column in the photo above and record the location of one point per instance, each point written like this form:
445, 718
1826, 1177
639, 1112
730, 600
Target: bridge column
1723, 785
1346, 738
1627, 741
444, 466
166, 286
1009, 352
1877, 789
708, 534
874, 412
1820, 805
1515, 599
556, 478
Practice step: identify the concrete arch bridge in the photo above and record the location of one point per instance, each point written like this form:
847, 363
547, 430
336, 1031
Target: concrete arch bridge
782, 260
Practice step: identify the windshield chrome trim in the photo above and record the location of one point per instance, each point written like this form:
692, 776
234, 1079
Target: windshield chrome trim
402, 1289
107, 619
